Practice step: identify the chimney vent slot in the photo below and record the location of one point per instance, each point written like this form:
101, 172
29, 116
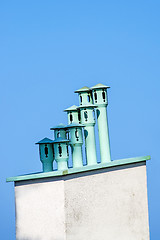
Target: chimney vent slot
46, 150
86, 116
60, 150
71, 117
104, 96
95, 96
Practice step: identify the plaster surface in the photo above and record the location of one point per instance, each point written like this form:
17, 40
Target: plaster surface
104, 204
40, 211
108, 206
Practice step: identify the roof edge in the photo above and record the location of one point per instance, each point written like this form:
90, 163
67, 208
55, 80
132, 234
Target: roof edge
78, 170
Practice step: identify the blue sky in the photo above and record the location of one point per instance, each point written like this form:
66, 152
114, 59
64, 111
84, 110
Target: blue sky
48, 49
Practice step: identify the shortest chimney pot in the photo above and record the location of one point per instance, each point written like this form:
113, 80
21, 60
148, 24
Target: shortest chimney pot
46, 154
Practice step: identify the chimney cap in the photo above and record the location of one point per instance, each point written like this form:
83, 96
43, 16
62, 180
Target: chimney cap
60, 126
60, 140
88, 106
45, 140
98, 86
72, 125
72, 108
83, 89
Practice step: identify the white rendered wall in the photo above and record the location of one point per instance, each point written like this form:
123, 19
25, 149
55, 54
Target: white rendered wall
40, 211
108, 204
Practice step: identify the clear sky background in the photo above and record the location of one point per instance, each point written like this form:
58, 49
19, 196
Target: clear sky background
50, 48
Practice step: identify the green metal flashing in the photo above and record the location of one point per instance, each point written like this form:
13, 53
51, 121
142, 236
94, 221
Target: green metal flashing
114, 163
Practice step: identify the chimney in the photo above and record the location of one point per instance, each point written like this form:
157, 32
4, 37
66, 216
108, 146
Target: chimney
79, 202
60, 131
76, 137
76, 142
61, 152
46, 154
73, 114
99, 93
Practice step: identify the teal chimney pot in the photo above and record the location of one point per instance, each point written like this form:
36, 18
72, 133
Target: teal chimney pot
85, 95
88, 119
76, 142
73, 114
61, 153
46, 154
99, 93
60, 131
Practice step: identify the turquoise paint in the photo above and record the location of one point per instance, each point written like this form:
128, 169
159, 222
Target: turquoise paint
45, 140
85, 114
90, 144
73, 114
46, 154
59, 131
61, 152
99, 95
77, 157
76, 142
47, 166
87, 118
61, 146
111, 164
85, 95
104, 144
75, 133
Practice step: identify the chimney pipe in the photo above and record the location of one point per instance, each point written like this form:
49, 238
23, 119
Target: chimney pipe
61, 153
46, 154
99, 93
59, 131
73, 114
87, 118
76, 142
